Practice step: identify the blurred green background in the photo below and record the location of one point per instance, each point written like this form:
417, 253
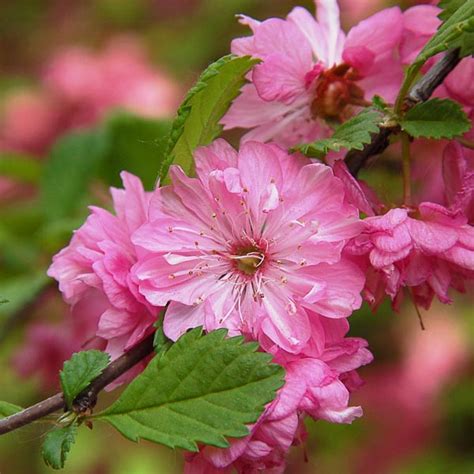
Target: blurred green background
418, 398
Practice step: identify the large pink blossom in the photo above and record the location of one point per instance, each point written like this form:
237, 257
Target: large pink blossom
253, 244
99, 259
311, 72
428, 250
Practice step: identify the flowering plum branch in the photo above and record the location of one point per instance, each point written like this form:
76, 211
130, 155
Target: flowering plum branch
223, 294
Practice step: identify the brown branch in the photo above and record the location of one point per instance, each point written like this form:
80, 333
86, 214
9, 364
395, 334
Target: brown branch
88, 397
420, 92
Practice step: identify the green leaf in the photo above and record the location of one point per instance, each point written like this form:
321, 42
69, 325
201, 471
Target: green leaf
79, 371
448, 8
73, 162
57, 445
351, 135
135, 144
203, 389
197, 121
160, 342
436, 118
379, 103
455, 32
20, 167
7, 409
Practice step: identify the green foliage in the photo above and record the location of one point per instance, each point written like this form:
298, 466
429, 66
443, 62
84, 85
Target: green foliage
57, 445
448, 8
20, 167
7, 409
455, 32
379, 103
198, 117
436, 118
135, 144
20, 290
160, 342
123, 142
79, 371
73, 162
202, 389
351, 135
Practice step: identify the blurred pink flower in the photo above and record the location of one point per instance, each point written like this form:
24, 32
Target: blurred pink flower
78, 88
87, 85
429, 250
409, 390
29, 122
311, 72
99, 258
47, 345
253, 244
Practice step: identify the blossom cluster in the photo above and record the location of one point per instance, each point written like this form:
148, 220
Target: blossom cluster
271, 245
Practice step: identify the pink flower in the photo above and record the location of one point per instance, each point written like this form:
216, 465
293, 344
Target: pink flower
78, 88
119, 76
398, 392
28, 123
458, 175
47, 345
253, 244
99, 259
419, 25
428, 251
315, 386
312, 73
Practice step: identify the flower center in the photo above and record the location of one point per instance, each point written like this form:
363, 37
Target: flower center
336, 88
248, 260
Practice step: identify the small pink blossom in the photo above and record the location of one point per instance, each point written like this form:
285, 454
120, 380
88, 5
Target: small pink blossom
253, 244
315, 386
429, 250
99, 259
312, 73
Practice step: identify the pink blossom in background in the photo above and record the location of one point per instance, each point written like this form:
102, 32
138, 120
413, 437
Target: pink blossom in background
99, 259
312, 73
78, 87
47, 345
401, 400
430, 250
89, 84
254, 244
29, 122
